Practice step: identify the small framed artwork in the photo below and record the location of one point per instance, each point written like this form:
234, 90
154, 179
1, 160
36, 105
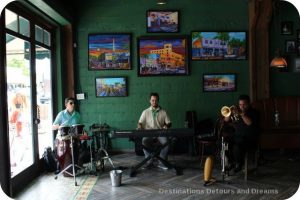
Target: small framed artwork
219, 82
297, 65
162, 21
111, 87
109, 51
162, 55
287, 28
290, 46
219, 45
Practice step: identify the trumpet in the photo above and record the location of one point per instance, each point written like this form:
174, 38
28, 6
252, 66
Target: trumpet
233, 112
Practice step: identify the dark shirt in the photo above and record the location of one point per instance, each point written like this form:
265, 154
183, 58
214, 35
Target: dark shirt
248, 133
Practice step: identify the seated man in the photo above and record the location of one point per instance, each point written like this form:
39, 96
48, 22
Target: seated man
245, 123
154, 117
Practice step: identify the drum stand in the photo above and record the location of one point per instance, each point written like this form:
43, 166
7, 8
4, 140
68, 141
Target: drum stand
224, 161
73, 165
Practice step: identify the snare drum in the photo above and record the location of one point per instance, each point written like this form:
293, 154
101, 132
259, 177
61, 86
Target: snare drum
77, 129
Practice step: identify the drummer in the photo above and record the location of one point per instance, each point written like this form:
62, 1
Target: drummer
67, 117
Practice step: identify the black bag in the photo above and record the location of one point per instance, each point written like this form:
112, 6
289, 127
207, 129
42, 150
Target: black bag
50, 161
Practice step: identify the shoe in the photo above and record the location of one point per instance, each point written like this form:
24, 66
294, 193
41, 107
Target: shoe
148, 165
162, 166
237, 168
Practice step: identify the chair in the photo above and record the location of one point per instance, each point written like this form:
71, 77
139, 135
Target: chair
255, 151
207, 136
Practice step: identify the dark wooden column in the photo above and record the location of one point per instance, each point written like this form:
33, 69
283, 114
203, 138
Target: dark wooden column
67, 61
260, 15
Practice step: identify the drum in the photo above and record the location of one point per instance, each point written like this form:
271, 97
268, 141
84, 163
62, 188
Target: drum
77, 130
64, 130
63, 153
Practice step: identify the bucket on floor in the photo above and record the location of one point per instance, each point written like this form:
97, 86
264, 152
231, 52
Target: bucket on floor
116, 177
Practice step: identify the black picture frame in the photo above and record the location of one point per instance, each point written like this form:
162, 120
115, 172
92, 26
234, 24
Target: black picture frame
290, 46
109, 51
287, 28
219, 45
219, 82
162, 21
163, 55
109, 86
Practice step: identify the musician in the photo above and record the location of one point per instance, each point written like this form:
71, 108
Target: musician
245, 130
67, 117
155, 117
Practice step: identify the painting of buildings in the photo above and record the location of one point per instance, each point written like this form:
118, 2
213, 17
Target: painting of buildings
163, 56
109, 51
111, 87
219, 82
219, 45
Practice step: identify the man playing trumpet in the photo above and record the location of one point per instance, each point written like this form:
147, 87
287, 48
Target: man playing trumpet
245, 121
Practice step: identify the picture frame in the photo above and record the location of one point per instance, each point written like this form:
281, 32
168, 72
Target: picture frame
109, 51
290, 46
224, 45
163, 55
221, 82
287, 28
162, 21
297, 65
111, 86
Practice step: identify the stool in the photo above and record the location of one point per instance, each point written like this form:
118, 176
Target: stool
202, 145
256, 157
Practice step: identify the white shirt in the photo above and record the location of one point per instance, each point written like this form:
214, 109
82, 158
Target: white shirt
154, 121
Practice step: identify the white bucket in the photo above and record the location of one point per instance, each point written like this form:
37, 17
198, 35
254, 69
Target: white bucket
116, 177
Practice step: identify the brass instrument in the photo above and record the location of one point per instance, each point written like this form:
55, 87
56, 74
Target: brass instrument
233, 112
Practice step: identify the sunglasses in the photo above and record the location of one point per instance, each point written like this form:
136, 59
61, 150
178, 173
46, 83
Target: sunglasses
71, 103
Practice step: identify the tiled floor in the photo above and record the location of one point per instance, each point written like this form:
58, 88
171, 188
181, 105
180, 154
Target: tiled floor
277, 178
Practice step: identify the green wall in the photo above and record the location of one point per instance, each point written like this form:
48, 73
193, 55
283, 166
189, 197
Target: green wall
284, 82
178, 93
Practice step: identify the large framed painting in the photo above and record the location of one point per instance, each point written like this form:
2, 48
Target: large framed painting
162, 55
109, 51
219, 45
111, 87
166, 21
219, 82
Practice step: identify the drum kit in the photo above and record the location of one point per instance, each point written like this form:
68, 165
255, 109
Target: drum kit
67, 147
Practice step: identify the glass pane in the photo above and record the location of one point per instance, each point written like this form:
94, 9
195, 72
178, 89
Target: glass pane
24, 26
11, 20
38, 34
46, 38
44, 98
19, 104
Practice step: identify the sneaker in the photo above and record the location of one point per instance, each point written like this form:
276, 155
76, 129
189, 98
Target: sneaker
162, 166
148, 165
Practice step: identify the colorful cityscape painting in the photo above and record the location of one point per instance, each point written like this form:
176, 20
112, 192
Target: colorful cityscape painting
111, 87
219, 45
162, 56
109, 51
162, 21
219, 82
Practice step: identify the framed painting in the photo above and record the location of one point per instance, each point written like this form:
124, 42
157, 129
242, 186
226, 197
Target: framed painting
162, 55
290, 46
109, 51
111, 87
219, 82
162, 21
219, 45
287, 28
